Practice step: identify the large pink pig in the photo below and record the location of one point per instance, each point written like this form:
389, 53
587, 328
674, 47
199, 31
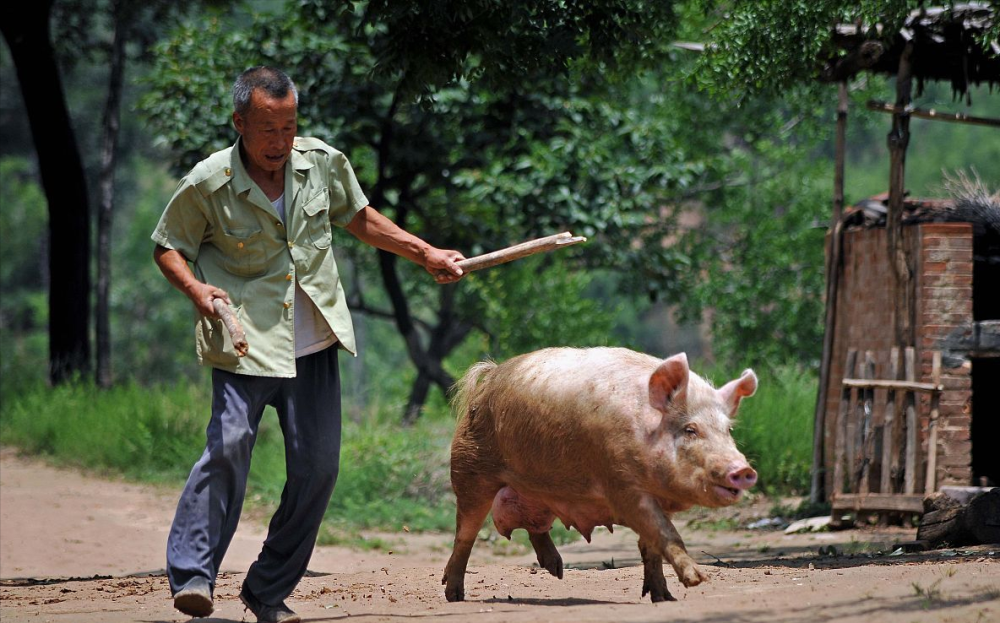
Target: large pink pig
595, 437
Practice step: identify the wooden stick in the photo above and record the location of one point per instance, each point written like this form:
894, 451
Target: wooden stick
910, 471
932, 114
888, 384
890, 429
516, 252
930, 481
840, 430
233, 325
865, 437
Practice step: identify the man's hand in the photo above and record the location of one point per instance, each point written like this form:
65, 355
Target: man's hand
442, 264
203, 296
174, 267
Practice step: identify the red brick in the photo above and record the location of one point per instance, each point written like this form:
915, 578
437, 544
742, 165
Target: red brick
945, 228
947, 279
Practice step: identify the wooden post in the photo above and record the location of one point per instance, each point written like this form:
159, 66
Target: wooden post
910, 473
817, 491
840, 432
930, 482
890, 431
898, 254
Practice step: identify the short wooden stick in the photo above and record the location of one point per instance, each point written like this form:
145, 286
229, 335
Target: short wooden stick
233, 326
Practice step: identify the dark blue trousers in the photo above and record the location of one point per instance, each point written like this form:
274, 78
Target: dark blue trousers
308, 409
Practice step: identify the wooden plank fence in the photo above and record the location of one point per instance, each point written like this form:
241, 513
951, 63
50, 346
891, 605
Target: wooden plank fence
882, 436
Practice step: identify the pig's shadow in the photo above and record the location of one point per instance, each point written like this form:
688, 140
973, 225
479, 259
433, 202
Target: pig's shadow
555, 601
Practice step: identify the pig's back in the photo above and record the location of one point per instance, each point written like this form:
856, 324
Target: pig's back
559, 418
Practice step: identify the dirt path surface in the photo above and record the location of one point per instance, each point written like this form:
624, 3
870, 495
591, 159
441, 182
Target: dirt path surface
60, 529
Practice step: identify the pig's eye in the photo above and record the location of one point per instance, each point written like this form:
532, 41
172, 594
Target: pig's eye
691, 431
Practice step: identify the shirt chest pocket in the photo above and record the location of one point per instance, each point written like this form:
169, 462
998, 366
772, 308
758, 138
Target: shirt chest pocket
317, 222
243, 250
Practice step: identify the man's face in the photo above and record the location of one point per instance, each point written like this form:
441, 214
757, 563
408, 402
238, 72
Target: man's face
268, 129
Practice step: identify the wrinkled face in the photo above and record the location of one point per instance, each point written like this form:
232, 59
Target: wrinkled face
697, 422
268, 129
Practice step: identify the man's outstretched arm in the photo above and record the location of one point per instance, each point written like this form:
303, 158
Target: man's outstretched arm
371, 227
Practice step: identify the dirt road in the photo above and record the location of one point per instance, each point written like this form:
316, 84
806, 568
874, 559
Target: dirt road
59, 529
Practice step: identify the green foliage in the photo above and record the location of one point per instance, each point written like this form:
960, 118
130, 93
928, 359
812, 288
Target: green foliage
760, 260
23, 253
392, 477
429, 44
539, 302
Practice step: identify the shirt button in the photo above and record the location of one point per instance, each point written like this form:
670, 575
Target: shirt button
287, 305
239, 245
290, 244
288, 277
279, 224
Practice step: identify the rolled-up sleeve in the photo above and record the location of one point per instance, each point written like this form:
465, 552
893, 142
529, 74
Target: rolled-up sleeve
351, 199
183, 225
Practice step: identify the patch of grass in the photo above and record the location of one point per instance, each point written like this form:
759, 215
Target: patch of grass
332, 535
928, 595
714, 524
151, 434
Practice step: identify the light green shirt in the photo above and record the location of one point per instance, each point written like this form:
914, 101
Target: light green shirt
220, 220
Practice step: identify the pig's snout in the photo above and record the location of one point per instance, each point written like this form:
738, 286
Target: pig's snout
741, 477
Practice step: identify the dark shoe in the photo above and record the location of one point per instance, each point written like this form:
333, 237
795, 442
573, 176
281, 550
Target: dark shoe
265, 613
195, 600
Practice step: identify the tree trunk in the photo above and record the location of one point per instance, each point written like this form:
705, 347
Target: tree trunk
109, 152
446, 336
25, 26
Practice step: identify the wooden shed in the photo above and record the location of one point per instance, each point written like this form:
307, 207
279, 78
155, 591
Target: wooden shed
909, 395
955, 290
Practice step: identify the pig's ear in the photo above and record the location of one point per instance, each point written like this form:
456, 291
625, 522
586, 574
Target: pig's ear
734, 391
669, 382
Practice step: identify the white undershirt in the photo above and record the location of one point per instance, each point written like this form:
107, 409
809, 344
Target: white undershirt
312, 331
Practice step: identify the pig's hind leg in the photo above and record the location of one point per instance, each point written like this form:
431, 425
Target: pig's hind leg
473, 501
653, 581
546, 552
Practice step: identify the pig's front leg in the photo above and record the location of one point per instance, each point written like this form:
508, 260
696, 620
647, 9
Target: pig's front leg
654, 528
653, 581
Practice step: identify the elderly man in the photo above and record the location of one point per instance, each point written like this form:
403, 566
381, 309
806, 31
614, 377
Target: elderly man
256, 222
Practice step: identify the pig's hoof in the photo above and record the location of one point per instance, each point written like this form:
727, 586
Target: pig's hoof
553, 564
692, 576
657, 591
454, 593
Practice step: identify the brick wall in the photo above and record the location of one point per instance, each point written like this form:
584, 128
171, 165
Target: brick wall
943, 254
944, 309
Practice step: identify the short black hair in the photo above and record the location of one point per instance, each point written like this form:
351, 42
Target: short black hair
274, 82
